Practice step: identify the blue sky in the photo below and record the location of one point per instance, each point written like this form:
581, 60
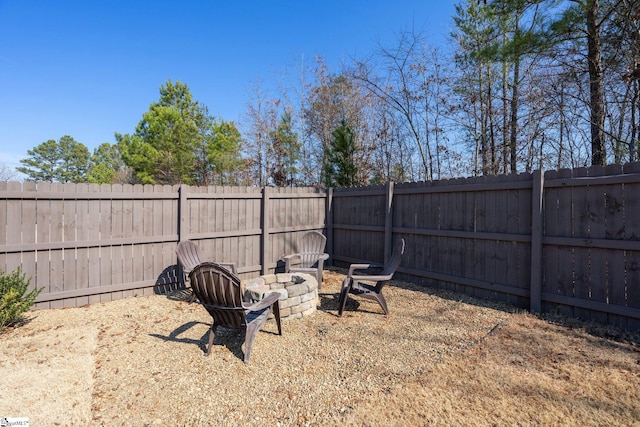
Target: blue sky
91, 68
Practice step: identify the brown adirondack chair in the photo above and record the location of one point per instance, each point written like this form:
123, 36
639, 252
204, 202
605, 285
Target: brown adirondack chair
219, 292
311, 256
353, 283
189, 258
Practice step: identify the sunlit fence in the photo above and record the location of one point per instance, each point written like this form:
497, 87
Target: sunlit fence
565, 241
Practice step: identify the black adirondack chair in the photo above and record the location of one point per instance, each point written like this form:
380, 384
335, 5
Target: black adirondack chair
218, 291
376, 274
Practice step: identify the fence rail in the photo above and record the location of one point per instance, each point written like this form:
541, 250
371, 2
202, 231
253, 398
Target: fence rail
91, 243
566, 241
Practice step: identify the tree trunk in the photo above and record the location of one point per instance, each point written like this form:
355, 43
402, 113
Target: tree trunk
596, 84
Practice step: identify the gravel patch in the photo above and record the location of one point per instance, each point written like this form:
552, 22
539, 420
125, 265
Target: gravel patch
140, 361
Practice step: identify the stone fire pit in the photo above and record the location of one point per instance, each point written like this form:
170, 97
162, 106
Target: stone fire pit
298, 292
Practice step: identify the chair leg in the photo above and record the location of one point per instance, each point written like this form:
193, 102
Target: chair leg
192, 298
212, 333
249, 337
344, 292
276, 313
382, 302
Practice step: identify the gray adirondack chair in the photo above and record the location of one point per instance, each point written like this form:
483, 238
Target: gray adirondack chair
219, 292
189, 258
359, 273
311, 256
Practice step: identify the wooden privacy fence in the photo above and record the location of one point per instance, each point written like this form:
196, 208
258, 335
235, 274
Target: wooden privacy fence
564, 241
567, 241
88, 243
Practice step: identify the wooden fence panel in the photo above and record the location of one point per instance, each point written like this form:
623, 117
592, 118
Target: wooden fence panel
170, 226
493, 215
359, 220
43, 213
117, 233
4, 223
510, 249
471, 227
167, 226
557, 222
13, 236
291, 213
614, 228
28, 221
148, 253
418, 249
566, 267
581, 222
471, 234
105, 235
525, 225
127, 249
56, 256
82, 228
94, 252
249, 246
457, 214
598, 283
480, 253
632, 233
444, 242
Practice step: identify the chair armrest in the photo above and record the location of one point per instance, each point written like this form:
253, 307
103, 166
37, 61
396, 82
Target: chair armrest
265, 302
319, 255
287, 261
354, 267
229, 266
372, 277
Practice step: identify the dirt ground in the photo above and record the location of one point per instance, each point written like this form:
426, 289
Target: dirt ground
439, 358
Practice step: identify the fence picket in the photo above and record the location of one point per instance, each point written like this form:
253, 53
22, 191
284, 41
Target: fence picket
88, 243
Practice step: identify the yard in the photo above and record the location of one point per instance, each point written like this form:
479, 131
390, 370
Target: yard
439, 358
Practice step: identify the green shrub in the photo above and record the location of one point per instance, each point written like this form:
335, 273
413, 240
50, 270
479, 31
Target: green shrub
14, 300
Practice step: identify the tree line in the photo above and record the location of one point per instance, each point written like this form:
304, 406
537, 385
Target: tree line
526, 84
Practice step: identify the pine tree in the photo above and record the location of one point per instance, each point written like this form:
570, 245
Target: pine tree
341, 170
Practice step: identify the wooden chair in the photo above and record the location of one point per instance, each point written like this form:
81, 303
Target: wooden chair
352, 284
219, 292
189, 258
311, 256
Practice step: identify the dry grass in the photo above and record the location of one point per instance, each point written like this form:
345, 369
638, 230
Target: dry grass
439, 359
528, 372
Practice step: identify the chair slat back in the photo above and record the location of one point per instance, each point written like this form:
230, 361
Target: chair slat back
188, 255
396, 258
311, 248
219, 291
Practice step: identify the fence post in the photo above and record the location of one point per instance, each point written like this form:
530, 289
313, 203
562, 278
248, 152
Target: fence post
265, 232
329, 221
537, 200
388, 222
182, 213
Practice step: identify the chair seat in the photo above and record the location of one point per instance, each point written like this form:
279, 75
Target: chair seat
359, 288
358, 273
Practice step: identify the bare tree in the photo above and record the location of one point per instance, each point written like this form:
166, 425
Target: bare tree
261, 120
7, 173
409, 78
